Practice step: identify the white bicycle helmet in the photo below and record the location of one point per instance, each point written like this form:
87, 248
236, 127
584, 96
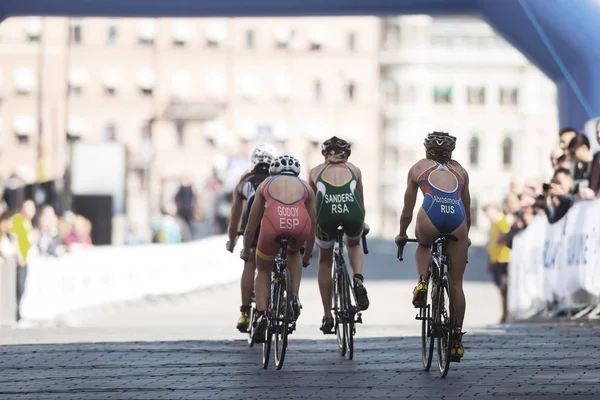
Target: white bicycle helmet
285, 165
263, 154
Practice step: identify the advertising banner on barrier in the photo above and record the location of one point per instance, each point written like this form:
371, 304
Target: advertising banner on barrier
104, 275
551, 263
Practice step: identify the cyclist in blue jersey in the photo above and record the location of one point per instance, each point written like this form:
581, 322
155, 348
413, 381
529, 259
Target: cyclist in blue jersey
445, 210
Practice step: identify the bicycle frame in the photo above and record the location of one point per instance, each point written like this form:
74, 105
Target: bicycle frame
340, 268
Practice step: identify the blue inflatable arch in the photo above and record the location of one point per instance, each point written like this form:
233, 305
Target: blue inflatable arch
561, 37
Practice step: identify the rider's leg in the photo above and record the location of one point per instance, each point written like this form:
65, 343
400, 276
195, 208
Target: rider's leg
262, 283
247, 283
355, 257
294, 265
425, 232
458, 252
325, 278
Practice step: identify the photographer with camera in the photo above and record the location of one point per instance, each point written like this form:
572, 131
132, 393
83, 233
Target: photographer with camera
582, 157
558, 196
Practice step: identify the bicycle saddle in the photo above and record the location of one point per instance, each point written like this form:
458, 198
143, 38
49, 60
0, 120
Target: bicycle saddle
284, 240
445, 239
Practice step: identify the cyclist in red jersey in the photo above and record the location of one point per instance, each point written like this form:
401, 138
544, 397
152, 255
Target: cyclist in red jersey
283, 205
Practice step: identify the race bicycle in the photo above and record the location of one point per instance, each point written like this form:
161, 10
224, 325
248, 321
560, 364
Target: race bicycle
346, 313
280, 317
438, 316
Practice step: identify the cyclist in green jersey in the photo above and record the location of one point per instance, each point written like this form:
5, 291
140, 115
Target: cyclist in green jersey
340, 202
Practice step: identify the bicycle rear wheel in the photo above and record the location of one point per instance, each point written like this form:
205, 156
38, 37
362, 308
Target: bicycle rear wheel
446, 327
427, 337
266, 353
339, 304
281, 322
349, 318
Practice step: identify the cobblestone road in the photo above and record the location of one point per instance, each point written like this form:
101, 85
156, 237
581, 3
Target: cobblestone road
514, 362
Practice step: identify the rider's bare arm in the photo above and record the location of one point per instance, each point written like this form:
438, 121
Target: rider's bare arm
312, 177
236, 213
256, 214
410, 199
311, 207
466, 196
359, 186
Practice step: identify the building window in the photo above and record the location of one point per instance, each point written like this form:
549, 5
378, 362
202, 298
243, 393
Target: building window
408, 94
442, 95
318, 90
315, 46
391, 92
438, 40
352, 41
110, 91
33, 38
111, 39
249, 39
145, 41
509, 96
146, 91
507, 152
392, 34
474, 151
180, 131
76, 33
23, 140
475, 95
351, 91
109, 132
74, 90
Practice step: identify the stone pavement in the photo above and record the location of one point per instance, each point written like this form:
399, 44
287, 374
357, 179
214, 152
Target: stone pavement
519, 361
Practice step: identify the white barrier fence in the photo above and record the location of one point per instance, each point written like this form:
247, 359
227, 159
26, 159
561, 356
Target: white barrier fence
106, 275
556, 263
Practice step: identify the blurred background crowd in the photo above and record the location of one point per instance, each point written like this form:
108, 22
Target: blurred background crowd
576, 177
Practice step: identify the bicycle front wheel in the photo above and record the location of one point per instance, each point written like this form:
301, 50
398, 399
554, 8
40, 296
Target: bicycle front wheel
251, 327
446, 327
281, 322
339, 304
349, 319
427, 337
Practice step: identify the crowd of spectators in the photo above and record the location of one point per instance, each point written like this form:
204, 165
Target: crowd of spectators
576, 177
27, 233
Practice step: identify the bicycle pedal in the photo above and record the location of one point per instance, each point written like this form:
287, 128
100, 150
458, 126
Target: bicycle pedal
455, 359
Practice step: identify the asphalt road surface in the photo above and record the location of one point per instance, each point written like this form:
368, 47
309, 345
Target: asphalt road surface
186, 347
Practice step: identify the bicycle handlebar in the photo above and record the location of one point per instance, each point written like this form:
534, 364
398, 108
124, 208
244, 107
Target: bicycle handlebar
364, 243
401, 248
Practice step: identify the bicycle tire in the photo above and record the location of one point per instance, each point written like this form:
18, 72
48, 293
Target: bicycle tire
266, 353
348, 317
338, 297
281, 322
446, 327
252, 317
427, 337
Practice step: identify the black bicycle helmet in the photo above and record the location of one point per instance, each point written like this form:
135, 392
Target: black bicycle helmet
335, 145
439, 146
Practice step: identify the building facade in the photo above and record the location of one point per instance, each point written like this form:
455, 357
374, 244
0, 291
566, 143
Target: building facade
210, 87
457, 75
187, 96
